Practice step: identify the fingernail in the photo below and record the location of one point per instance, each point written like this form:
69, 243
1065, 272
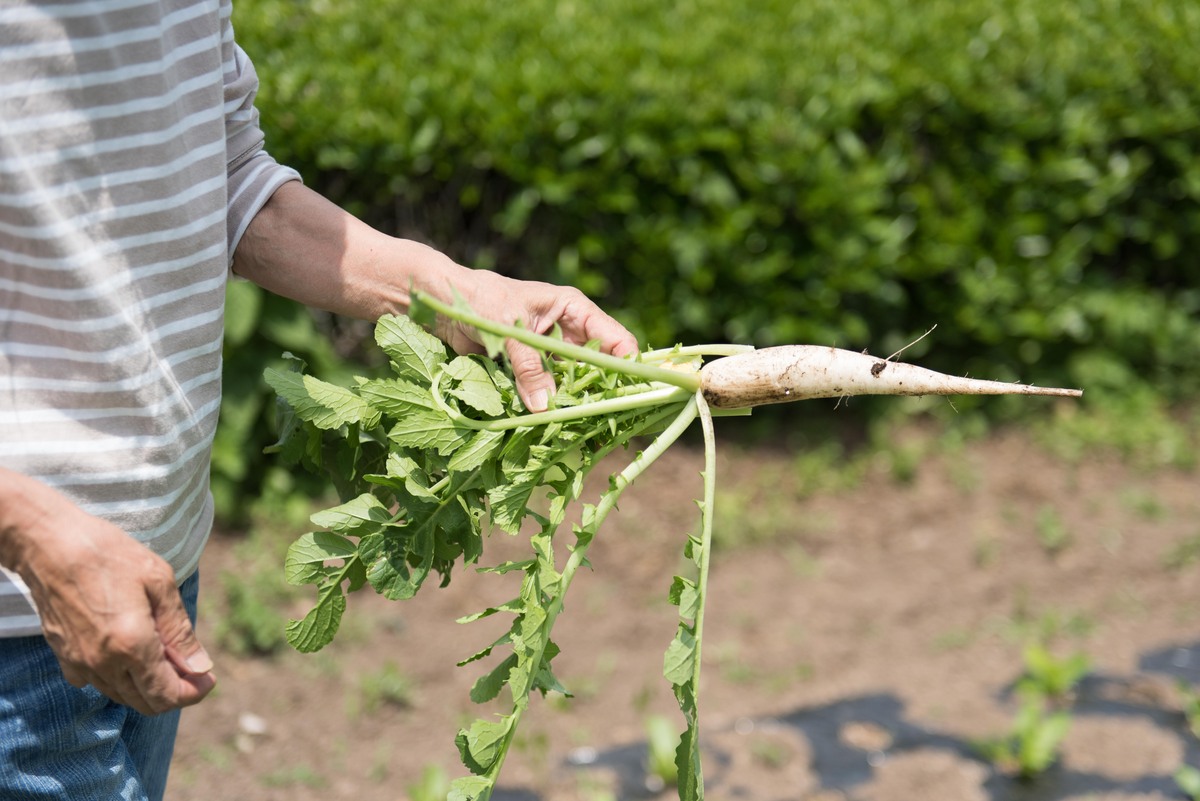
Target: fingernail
199, 662
539, 400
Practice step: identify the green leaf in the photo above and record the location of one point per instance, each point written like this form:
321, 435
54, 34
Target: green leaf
486, 652
689, 775
680, 660
470, 788
299, 441
325, 405
527, 633
510, 501
488, 687
513, 606
549, 579
482, 448
686, 596
1039, 748
509, 504
396, 397
407, 478
545, 681
365, 511
480, 746
415, 353
429, 429
309, 552
475, 386
509, 567
1188, 779
388, 568
319, 626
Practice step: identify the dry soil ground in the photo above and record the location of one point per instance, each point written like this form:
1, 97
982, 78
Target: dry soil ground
857, 655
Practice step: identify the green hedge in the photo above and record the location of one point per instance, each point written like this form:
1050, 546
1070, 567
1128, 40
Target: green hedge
1024, 174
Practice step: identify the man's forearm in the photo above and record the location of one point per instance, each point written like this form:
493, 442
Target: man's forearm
303, 247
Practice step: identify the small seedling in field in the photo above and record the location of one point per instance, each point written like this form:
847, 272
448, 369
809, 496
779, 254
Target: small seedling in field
1025, 625
1044, 692
1052, 533
661, 740
434, 785
1031, 746
1188, 779
1183, 554
1190, 706
1146, 505
254, 596
253, 623
1049, 677
424, 457
386, 686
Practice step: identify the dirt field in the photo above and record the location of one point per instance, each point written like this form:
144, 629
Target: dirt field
860, 654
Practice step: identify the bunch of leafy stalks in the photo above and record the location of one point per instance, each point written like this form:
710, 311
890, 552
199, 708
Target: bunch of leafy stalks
421, 459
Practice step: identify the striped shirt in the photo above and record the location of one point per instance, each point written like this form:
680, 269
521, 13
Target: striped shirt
131, 162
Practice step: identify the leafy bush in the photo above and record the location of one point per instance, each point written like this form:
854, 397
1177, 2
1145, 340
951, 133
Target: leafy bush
259, 329
850, 172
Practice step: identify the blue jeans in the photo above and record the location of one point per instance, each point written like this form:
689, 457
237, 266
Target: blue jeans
61, 743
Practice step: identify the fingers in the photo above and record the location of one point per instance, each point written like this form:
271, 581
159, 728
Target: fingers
160, 687
539, 307
534, 384
595, 325
143, 654
180, 645
139, 670
154, 694
131, 666
581, 321
181, 675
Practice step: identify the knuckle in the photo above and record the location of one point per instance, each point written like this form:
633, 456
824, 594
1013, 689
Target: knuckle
527, 370
160, 577
125, 640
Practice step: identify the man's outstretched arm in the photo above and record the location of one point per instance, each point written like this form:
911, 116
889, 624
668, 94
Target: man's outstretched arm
301, 246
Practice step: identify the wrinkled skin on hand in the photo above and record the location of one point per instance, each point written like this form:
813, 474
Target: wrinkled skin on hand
109, 606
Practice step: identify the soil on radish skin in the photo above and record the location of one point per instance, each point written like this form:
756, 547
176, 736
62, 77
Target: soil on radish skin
861, 653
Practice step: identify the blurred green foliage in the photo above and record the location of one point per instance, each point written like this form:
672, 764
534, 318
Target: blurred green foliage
1023, 174
259, 329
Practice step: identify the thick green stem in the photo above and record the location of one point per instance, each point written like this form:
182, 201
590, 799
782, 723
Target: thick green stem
608, 406
706, 530
686, 380
686, 351
579, 554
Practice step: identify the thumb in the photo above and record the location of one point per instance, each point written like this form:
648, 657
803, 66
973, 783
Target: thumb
534, 384
178, 636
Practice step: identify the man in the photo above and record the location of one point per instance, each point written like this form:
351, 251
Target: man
132, 179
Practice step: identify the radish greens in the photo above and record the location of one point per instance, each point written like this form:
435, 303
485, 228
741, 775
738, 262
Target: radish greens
424, 457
